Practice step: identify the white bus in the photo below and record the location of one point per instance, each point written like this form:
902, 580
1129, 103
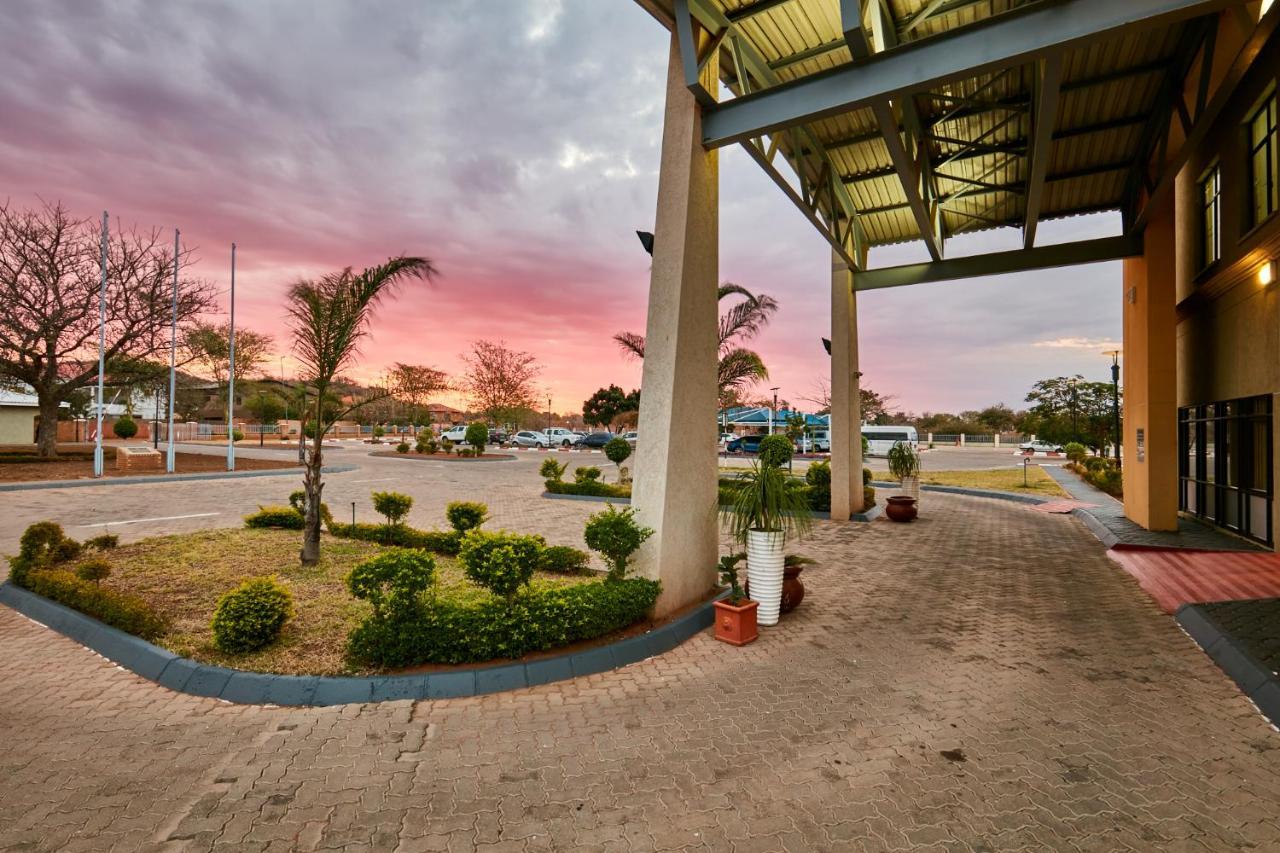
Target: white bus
881, 439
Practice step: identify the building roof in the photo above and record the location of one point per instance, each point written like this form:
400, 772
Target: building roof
922, 119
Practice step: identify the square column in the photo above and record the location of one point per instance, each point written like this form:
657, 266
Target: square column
846, 402
1150, 446
675, 486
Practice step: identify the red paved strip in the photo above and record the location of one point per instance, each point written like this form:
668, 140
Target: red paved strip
1175, 577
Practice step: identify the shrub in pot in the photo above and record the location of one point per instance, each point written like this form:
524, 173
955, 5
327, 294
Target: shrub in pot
904, 465
736, 615
767, 508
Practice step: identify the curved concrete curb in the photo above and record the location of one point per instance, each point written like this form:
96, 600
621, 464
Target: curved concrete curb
255, 688
164, 478
449, 460
972, 493
597, 498
1253, 677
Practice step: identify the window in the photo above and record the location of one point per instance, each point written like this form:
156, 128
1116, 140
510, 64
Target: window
1262, 160
1224, 465
1210, 218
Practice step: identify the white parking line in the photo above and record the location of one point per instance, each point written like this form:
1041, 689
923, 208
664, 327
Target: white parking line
378, 480
161, 518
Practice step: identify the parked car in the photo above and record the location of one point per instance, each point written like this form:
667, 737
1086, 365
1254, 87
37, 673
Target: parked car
1040, 447
597, 440
498, 436
529, 438
561, 436
745, 444
630, 437
726, 437
456, 434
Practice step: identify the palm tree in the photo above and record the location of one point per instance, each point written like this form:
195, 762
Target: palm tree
738, 367
329, 317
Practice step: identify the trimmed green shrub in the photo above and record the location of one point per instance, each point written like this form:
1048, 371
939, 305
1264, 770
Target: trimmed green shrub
251, 615
393, 582
125, 427
275, 517
818, 478
94, 569
437, 541
446, 445
868, 497
593, 488
500, 562
450, 632
586, 474
102, 542
866, 477
615, 535
120, 610
402, 447
237, 435
392, 506
617, 450
426, 443
466, 515
564, 559
776, 450
552, 470
41, 545
379, 432
1076, 452
477, 436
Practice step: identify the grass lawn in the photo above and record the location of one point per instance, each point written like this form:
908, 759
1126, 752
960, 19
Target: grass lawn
183, 577
999, 479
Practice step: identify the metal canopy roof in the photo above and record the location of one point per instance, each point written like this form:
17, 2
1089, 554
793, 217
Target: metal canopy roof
906, 120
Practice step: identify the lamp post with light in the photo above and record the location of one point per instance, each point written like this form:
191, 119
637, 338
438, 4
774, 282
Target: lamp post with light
1115, 400
773, 413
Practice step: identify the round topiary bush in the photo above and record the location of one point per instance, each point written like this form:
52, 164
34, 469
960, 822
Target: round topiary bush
477, 435
125, 427
617, 450
466, 515
393, 582
776, 450
402, 447
237, 435
500, 562
615, 535
1076, 452
586, 474
251, 615
379, 432
393, 505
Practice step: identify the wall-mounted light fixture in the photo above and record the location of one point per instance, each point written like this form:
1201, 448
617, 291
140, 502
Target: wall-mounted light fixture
1267, 273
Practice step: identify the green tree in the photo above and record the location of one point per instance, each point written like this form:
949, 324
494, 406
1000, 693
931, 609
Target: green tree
738, 367
1068, 408
608, 404
330, 316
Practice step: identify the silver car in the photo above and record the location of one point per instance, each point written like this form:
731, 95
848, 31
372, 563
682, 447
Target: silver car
529, 438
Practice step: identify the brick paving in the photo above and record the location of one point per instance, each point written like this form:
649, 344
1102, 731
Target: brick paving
1253, 624
982, 679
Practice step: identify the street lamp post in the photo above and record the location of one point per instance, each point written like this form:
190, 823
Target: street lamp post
773, 413
548, 411
1115, 400
1075, 431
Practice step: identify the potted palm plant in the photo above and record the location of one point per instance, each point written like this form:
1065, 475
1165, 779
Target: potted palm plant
904, 465
735, 615
767, 508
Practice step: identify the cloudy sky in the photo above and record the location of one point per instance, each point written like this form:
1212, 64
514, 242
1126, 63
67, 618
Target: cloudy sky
515, 142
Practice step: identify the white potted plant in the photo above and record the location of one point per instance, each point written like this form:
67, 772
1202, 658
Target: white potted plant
768, 508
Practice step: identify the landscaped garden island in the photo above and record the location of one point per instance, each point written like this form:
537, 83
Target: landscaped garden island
382, 597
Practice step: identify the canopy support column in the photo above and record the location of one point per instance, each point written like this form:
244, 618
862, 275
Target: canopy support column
675, 487
846, 403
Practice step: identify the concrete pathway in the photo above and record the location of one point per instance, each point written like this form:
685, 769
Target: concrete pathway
982, 679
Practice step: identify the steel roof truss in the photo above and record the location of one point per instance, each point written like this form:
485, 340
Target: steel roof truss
1045, 112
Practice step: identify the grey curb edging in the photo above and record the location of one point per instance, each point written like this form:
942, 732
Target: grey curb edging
383, 454
968, 492
255, 688
165, 478
1253, 678
597, 498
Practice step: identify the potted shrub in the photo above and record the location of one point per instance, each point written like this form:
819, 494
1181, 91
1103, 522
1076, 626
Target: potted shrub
792, 587
904, 465
766, 509
735, 615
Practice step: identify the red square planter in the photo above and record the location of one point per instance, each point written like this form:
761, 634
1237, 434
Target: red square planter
736, 624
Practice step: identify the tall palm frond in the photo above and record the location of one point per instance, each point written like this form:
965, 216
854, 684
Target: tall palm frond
740, 368
744, 320
631, 343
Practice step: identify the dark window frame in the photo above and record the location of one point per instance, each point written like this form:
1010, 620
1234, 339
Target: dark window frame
1210, 212
1271, 144
1222, 485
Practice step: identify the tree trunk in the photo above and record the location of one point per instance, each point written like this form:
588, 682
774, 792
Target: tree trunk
314, 488
47, 432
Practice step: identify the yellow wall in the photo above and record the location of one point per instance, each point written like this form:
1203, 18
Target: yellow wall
17, 424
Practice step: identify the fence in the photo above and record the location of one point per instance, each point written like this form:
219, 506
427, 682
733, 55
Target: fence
972, 439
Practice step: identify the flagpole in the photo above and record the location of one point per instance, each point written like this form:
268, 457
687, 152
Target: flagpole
102, 349
231, 383
173, 354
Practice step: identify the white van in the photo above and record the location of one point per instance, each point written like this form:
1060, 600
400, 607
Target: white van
881, 439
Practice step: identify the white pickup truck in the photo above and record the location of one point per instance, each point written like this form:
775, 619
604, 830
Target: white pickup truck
457, 434
561, 437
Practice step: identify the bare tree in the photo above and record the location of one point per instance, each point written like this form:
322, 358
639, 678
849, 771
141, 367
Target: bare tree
330, 316
499, 380
416, 384
49, 283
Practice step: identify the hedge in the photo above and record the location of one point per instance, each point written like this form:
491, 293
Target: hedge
280, 517
594, 488
440, 541
537, 620
118, 609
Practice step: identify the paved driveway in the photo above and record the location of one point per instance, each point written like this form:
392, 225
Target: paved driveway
984, 679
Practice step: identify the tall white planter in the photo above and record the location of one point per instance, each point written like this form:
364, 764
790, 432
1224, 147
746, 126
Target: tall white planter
764, 572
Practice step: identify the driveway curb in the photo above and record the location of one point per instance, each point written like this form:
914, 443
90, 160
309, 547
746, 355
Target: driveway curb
164, 478
1253, 678
968, 492
255, 688
597, 498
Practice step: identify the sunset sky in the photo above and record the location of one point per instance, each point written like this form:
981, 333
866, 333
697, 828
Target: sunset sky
514, 142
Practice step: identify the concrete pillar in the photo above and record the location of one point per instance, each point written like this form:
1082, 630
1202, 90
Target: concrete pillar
997, 441
1150, 444
674, 490
846, 404
962, 439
